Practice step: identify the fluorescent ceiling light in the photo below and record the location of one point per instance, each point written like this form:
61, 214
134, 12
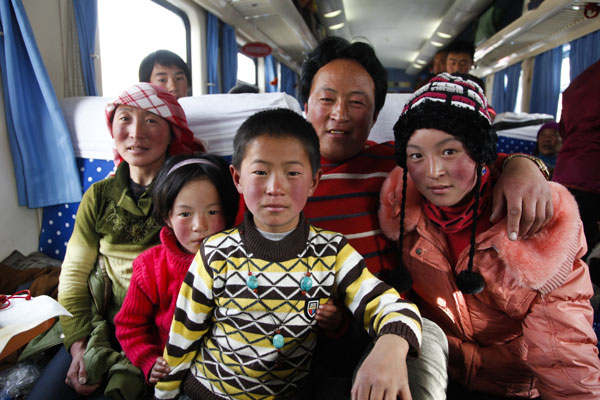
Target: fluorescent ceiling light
336, 26
437, 44
332, 14
420, 62
444, 35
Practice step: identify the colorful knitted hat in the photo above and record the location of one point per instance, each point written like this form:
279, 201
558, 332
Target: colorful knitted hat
455, 105
158, 101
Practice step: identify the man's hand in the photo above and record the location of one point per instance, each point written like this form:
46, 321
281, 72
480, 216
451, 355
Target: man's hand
160, 369
77, 375
382, 375
523, 195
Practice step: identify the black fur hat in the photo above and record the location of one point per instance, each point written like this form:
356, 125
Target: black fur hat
456, 105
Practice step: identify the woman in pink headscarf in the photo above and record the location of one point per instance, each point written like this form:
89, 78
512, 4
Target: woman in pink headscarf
114, 224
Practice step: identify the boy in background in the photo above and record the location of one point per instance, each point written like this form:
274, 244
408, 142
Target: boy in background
165, 68
244, 326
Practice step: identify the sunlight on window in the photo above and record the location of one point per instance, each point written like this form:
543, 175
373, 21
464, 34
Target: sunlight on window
129, 31
565, 77
519, 103
246, 69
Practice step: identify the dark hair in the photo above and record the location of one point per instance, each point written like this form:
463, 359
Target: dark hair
278, 122
243, 88
462, 46
169, 183
334, 48
165, 58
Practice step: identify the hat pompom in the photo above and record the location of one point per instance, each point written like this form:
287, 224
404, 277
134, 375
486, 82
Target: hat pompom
470, 282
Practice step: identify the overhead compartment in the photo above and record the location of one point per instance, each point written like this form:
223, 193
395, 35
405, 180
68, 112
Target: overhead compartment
533, 33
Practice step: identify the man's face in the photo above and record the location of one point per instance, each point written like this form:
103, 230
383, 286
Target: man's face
341, 108
459, 62
439, 63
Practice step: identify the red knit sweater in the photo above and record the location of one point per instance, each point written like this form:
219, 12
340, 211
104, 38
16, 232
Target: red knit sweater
144, 321
347, 200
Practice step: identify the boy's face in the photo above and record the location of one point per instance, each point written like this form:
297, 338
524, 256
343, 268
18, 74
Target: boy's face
341, 108
459, 62
171, 78
276, 179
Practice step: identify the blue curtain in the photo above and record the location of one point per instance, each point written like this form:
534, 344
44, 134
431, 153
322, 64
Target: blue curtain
504, 98
584, 52
270, 74
498, 92
545, 87
86, 15
229, 51
288, 81
40, 143
212, 52
512, 86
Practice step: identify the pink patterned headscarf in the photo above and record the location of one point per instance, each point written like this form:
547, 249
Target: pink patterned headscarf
160, 102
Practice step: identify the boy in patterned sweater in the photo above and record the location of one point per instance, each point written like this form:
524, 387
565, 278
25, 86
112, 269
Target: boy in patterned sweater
244, 326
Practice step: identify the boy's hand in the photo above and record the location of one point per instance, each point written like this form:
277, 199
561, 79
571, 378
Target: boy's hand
160, 369
523, 194
77, 375
329, 317
382, 375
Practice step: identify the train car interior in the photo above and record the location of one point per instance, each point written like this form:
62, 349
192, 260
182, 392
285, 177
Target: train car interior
62, 61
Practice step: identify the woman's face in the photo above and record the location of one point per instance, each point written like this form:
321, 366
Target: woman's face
440, 167
142, 139
549, 142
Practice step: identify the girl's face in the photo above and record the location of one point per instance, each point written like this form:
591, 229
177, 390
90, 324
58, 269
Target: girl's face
440, 167
142, 139
196, 214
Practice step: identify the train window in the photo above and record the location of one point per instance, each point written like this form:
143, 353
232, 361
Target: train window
519, 102
246, 69
565, 77
129, 31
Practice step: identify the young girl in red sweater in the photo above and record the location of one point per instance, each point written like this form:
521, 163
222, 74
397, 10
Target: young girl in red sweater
195, 197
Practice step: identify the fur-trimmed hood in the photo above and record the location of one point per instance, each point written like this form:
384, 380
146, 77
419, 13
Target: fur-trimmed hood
542, 262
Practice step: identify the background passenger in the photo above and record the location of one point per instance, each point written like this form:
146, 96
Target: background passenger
194, 197
578, 162
165, 68
517, 313
460, 57
548, 144
113, 225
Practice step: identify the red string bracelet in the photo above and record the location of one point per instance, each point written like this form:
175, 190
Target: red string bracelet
21, 294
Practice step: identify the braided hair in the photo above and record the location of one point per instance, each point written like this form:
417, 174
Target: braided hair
456, 105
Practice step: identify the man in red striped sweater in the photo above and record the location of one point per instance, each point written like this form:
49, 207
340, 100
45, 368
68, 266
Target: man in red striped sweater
343, 87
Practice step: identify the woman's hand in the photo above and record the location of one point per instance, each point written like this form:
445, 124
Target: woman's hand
160, 369
382, 375
77, 375
329, 317
523, 194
